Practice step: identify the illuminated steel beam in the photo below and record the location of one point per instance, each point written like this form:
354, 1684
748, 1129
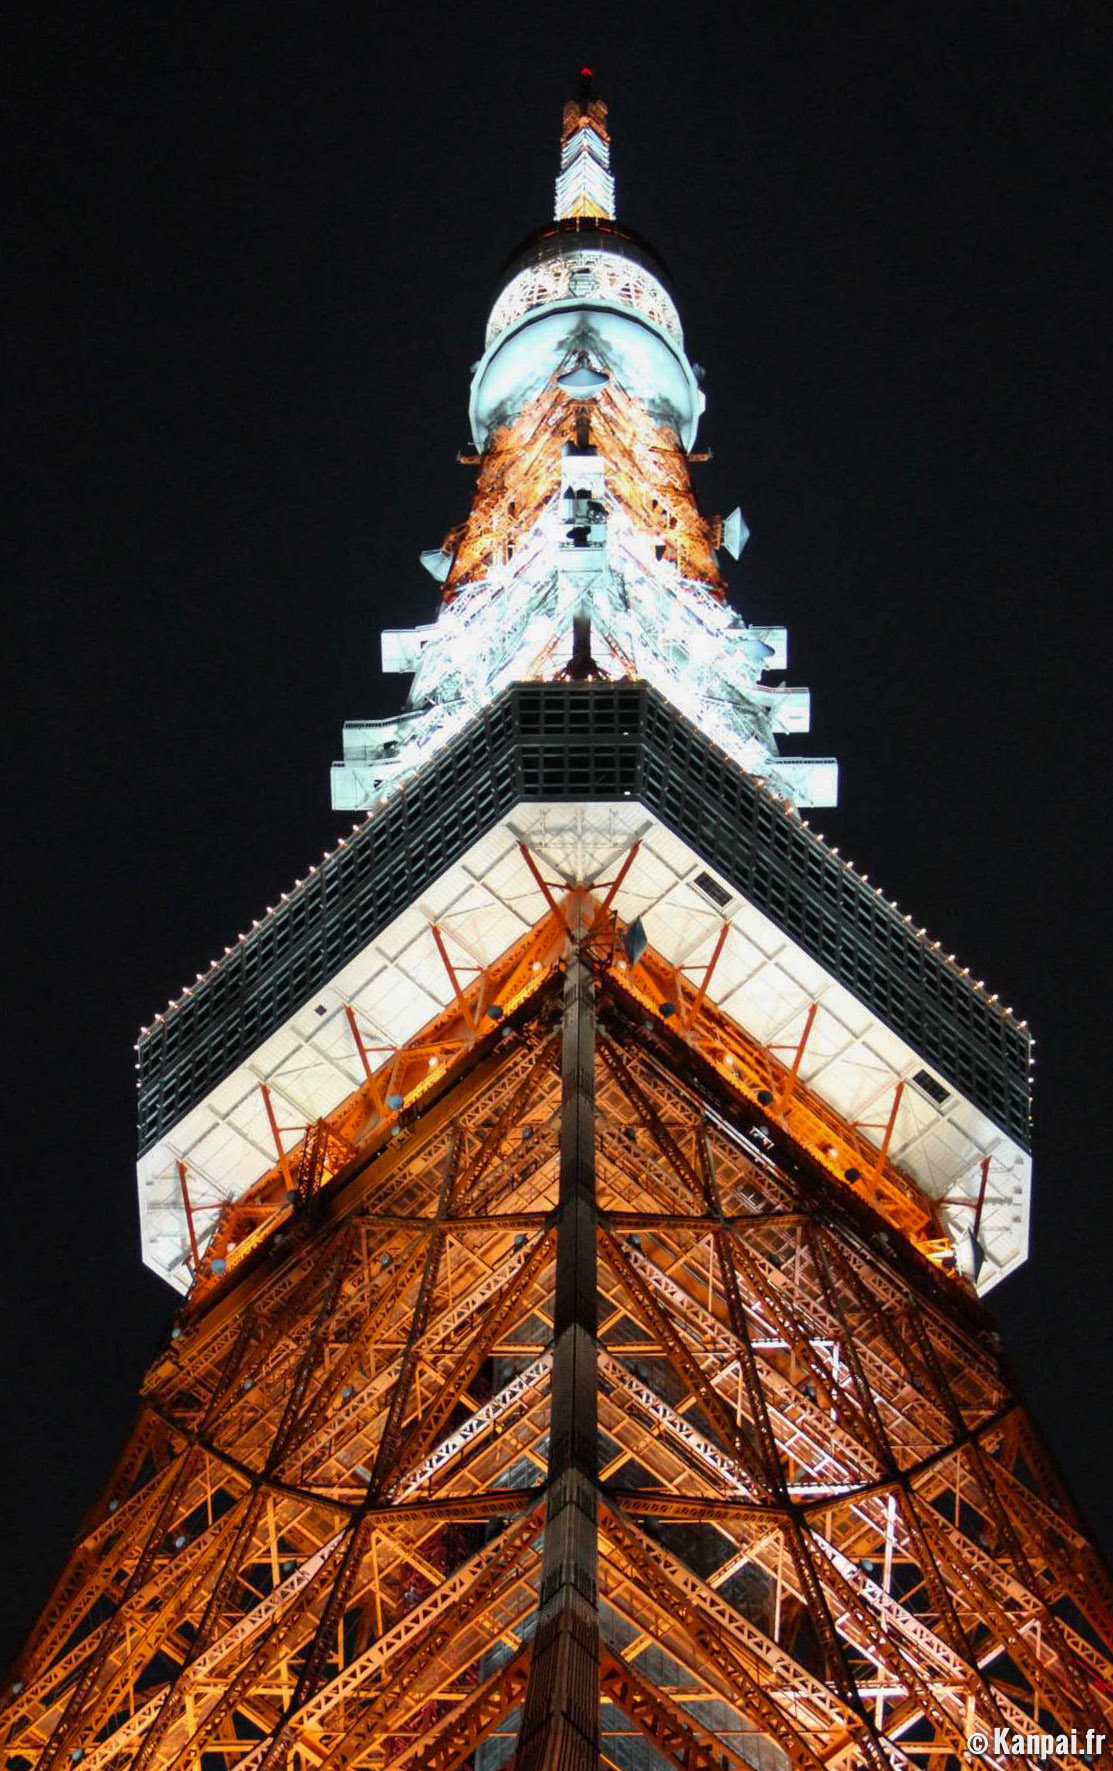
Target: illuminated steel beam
560, 1718
567, 1376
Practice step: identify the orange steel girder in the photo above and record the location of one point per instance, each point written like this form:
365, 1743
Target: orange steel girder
818, 1502
520, 473
411, 1072
756, 1072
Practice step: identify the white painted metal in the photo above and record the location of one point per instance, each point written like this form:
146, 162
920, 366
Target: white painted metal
580, 273
482, 905
586, 306
585, 173
585, 554
644, 358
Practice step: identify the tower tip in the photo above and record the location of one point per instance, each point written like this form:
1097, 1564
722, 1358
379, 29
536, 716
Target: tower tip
585, 186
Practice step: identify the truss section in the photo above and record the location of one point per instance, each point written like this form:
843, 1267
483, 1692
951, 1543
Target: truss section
757, 932
584, 1417
584, 515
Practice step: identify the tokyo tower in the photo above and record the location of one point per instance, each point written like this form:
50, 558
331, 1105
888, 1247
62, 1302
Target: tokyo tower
582, 1186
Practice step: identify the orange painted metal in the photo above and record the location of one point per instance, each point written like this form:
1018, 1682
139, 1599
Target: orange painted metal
462, 1002
824, 1521
755, 1072
520, 473
187, 1204
822, 1531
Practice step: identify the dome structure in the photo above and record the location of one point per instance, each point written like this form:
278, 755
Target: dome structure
585, 291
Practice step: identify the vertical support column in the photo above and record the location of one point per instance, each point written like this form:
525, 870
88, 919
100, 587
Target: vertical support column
560, 1720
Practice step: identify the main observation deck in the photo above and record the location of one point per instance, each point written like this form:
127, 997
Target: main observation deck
576, 774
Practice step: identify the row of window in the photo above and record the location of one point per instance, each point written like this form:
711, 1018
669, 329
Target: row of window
852, 931
430, 825
847, 898
582, 742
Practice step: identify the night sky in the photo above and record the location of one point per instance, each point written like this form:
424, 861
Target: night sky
252, 259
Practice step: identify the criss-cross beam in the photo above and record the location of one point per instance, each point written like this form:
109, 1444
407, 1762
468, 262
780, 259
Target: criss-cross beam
560, 1719
675, 1733
451, 1741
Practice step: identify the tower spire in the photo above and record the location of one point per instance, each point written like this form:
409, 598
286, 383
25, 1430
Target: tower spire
585, 184
584, 522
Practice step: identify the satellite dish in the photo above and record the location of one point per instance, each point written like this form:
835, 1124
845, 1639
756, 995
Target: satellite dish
756, 650
736, 533
969, 1254
436, 562
635, 940
582, 380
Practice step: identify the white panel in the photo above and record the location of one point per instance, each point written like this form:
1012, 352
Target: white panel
802, 969
483, 860
423, 967
274, 1051
310, 1085
403, 931
766, 1001
700, 951
500, 866
211, 1158
250, 1119
357, 974
224, 1097
757, 927
916, 1119
888, 1048
308, 1022
480, 926
197, 1121
828, 1039
857, 1084
483, 904
437, 899
838, 1002
671, 852
939, 1159
739, 960
670, 930
333, 1039
645, 884
967, 1119
394, 1003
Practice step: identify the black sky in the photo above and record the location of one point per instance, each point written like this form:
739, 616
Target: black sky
252, 256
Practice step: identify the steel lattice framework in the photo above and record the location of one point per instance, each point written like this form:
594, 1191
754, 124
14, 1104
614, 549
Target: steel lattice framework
581, 1184
585, 1411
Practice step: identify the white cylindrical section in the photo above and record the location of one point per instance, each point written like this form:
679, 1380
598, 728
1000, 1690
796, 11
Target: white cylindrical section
640, 356
584, 273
